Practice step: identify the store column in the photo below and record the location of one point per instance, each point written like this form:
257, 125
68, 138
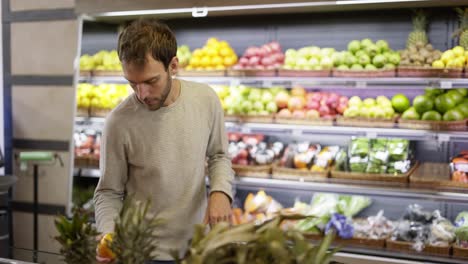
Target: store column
40, 51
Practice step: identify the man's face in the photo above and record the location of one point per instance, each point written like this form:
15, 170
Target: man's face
151, 82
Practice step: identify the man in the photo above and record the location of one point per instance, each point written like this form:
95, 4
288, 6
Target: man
155, 143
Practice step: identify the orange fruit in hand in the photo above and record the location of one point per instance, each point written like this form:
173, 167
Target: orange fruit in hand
103, 249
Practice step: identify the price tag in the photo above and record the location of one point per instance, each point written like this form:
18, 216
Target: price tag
446, 85
296, 132
444, 138
361, 84
246, 130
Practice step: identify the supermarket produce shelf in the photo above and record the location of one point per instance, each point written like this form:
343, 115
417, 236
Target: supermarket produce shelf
299, 130
332, 82
352, 255
382, 189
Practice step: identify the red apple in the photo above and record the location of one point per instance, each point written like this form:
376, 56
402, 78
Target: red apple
341, 108
250, 52
275, 46
254, 61
243, 61
267, 61
316, 96
332, 100
243, 154
324, 110
282, 99
343, 100
311, 104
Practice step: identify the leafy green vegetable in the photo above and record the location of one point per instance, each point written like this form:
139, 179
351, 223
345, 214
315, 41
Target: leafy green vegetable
313, 225
351, 205
462, 219
323, 204
462, 233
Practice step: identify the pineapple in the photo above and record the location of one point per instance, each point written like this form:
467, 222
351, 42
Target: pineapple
134, 240
418, 36
251, 243
77, 238
462, 32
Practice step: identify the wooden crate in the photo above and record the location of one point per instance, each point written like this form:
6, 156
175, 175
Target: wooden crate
364, 73
81, 162
297, 174
257, 171
365, 122
82, 112
434, 125
361, 242
450, 73
459, 252
434, 175
201, 73
98, 112
407, 247
400, 178
256, 118
305, 121
415, 71
252, 73
304, 73
85, 74
231, 118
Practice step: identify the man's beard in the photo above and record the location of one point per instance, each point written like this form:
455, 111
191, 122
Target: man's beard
166, 92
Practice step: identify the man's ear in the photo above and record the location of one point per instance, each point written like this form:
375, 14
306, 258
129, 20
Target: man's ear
174, 66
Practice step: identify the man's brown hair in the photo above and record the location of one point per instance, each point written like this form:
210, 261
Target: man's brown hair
145, 36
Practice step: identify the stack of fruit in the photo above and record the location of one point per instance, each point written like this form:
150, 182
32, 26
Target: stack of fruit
102, 98
455, 58
87, 148
215, 55
437, 105
380, 107
419, 52
102, 61
267, 57
244, 100
309, 58
367, 55
184, 55
300, 104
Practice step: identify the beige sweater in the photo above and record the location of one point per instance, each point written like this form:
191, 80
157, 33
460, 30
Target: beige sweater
161, 154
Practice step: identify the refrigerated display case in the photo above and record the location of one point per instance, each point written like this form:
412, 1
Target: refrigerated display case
322, 29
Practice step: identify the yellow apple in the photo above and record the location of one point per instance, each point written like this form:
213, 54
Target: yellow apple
438, 64
458, 51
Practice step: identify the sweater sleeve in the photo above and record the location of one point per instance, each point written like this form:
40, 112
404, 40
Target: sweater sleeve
219, 164
110, 190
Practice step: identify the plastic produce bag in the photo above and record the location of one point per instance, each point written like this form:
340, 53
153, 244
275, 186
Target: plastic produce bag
341, 160
325, 158
411, 231
378, 156
398, 149
373, 227
442, 233
359, 147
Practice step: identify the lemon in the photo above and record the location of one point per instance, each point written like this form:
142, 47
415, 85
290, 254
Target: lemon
205, 61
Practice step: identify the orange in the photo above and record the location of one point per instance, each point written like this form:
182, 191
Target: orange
103, 249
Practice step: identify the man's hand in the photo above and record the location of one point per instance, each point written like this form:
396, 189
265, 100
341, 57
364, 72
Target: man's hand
99, 259
219, 209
